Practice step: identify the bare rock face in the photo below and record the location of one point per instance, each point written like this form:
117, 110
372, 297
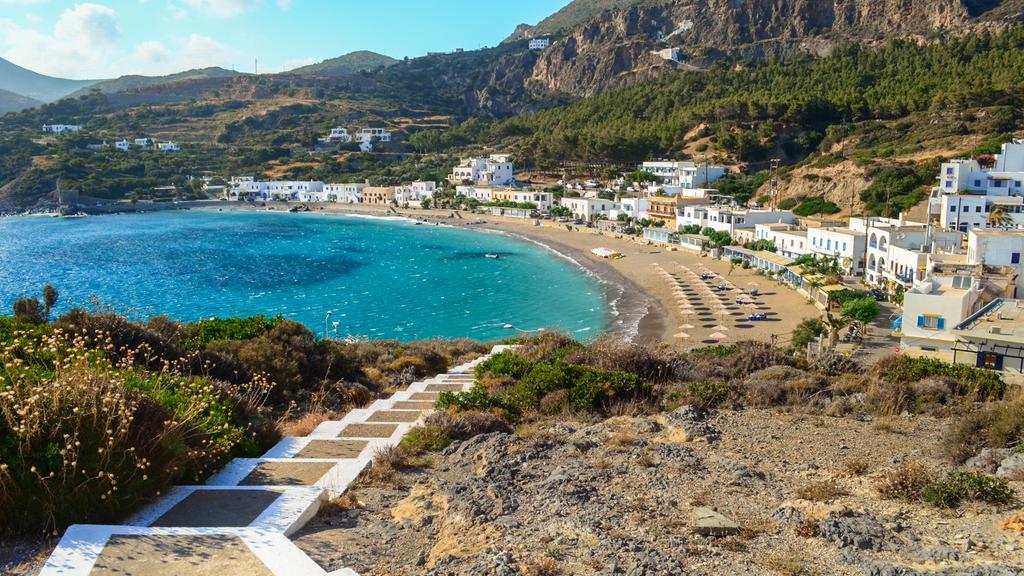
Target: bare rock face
618, 47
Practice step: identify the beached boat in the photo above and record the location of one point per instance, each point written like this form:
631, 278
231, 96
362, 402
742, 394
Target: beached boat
607, 253
493, 256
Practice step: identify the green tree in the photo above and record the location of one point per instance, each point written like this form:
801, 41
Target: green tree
50, 296
28, 310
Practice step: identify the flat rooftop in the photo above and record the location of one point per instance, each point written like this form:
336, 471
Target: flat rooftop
1002, 321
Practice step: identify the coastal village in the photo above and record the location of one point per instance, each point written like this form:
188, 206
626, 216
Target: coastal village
956, 278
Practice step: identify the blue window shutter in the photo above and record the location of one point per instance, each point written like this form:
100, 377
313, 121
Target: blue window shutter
920, 321
942, 323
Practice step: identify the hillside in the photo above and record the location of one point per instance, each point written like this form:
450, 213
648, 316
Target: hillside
24, 82
11, 102
350, 63
135, 82
574, 14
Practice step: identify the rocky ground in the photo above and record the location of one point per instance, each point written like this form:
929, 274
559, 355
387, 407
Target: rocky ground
618, 497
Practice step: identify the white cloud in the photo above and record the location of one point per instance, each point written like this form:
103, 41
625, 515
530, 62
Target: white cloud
18, 2
152, 52
222, 8
176, 12
202, 51
79, 45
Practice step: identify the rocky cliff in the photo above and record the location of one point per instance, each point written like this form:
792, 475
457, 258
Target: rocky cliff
618, 46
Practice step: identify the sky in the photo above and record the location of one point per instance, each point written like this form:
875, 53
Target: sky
109, 38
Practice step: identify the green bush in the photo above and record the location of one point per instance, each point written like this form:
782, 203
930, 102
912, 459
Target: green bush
201, 333
708, 394
505, 363
595, 387
960, 486
905, 370
542, 379
430, 438
476, 398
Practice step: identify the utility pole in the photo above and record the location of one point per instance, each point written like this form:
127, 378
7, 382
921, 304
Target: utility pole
774, 182
256, 66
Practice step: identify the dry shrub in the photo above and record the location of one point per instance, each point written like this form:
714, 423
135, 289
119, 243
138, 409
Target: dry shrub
345, 502
650, 363
890, 425
547, 346
993, 425
555, 402
787, 562
543, 567
387, 465
820, 491
303, 426
622, 440
465, 425
849, 383
889, 399
903, 482
855, 466
808, 528
782, 386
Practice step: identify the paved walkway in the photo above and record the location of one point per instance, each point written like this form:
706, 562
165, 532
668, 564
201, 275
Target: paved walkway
239, 522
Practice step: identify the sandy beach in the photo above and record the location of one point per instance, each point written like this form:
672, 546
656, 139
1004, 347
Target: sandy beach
649, 304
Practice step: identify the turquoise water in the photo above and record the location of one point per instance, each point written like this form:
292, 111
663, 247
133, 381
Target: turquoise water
379, 278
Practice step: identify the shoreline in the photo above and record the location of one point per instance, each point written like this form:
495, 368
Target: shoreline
649, 305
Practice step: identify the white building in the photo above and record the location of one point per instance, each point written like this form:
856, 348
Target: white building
847, 246
790, 241
143, 142
303, 191
344, 193
993, 337
897, 250
672, 54
963, 212
482, 194
933, 308
588, 209
337, 136
168, 147
543, 200
495, 170
61, 128
727, 219
122, 145
635, 208
370, 135
415, 193
998, 248
540, 43
674, 176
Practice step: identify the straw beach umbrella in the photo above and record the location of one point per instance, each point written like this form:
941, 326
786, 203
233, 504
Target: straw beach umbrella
718, 336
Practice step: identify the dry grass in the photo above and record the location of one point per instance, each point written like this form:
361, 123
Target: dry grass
855, 466
543, 567
622, 441
788, 563
303, 426
821, 491
345, 502
903, 482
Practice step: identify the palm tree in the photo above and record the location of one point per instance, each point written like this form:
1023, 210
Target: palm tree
1000, 218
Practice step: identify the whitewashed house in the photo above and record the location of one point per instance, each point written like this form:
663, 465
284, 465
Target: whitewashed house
122, 145
966, 211
588, 209
168, 147
370, 135
496, 170
728, 219
344, 193
998, 248
790, 241
540, 43
337, 136
897, 250
61, 128
847, 246
676, 176
415, 193
967, 192
143, 142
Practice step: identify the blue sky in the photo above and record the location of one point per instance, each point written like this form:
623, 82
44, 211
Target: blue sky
109, 38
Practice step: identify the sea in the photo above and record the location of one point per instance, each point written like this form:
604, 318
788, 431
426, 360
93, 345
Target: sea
341, 276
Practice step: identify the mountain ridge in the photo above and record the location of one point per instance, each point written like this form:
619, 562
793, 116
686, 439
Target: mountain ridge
349, 63
40, 87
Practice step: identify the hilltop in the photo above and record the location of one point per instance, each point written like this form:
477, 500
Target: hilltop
11, 102
347, 64
135, 82
24, 82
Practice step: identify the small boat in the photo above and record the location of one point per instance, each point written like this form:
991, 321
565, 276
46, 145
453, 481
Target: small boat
492, 256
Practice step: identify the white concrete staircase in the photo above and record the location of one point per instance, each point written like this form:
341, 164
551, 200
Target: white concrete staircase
239, 522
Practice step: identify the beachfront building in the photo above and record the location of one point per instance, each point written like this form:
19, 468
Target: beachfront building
495, 170
246, 187
350, 193
378, 195
371, 135
60, 129
789, 239
415, 193
676, 176
634, 208
122, 145
933, 307
482, 194
337, 136
728, 219
588, 209
847, 246
540, 199
540, 43
663, 209
993, 337
168, 147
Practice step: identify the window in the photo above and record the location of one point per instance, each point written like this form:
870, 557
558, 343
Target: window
949, 183
963, 282
977, 183
1015, 258
977, 209
967, 209
949, 171
930, 322
952, 208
